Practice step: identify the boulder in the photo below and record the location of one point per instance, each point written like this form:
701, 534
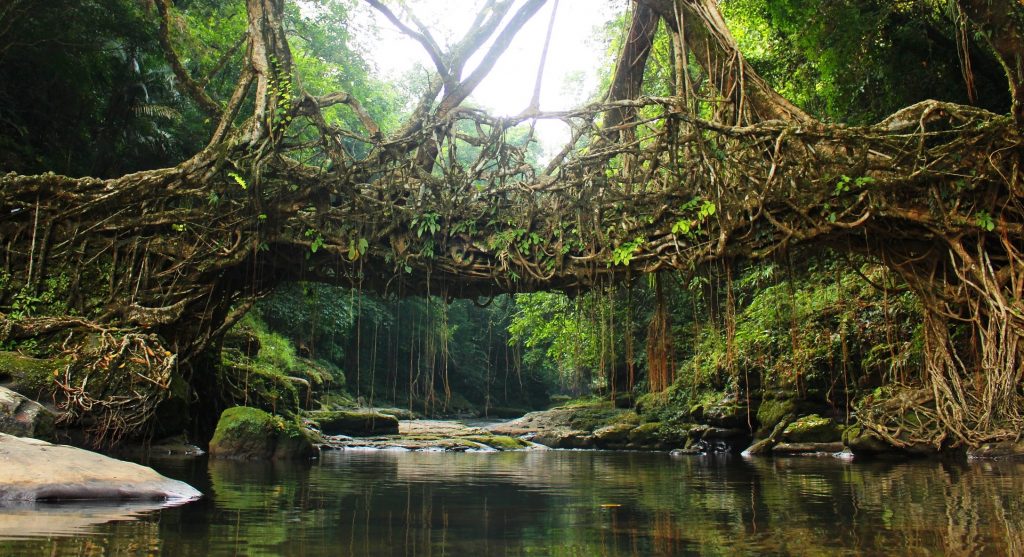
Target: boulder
771, 413
504, 412
34, 470
720, 440
28, 376
807, 448
499, 442
613, 436
812, 429
398, 413
1001, 449
648, 436
730, 412
564, 439
355, 423
22, 417
251, 433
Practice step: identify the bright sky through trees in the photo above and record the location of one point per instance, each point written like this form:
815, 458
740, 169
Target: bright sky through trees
570, 73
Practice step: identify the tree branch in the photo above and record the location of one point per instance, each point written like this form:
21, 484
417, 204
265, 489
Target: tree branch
1002, 24
629, 69
425, 40
501, 44
188, 86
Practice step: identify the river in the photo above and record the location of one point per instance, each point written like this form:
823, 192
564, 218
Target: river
558, 503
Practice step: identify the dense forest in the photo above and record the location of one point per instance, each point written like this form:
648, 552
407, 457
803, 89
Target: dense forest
228, 199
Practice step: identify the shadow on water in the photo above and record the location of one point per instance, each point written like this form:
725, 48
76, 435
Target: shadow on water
554, 503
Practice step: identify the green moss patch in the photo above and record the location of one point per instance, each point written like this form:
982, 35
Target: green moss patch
28, 376
250, 433
771, 413
811, 429
500, 442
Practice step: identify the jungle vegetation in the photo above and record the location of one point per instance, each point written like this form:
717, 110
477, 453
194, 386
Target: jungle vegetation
817, 197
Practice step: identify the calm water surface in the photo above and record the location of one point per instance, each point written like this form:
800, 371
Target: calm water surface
549, 503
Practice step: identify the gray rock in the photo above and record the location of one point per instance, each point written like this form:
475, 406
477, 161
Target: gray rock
34, 470
355, 423
1002, 449
613, 436
564, 439
807, 448
728, 413
22, 417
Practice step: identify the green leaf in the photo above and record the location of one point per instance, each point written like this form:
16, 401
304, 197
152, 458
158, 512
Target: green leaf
239, 180
984, 221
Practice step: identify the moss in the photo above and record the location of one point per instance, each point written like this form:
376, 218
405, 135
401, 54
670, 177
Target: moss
594, 415
614, 435
657, 436
244, 432
500, 442
811, 429
863, 441
557, 400
771, 412
335, 400
29, 376
250, 433
355, 422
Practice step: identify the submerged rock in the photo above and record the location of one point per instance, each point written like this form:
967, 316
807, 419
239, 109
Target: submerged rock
251, 433
22, 417
34, 470
356, 423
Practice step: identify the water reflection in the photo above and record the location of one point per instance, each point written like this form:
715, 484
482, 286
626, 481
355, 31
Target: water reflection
573, 503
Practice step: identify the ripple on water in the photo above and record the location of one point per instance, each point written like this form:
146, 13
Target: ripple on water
562, 503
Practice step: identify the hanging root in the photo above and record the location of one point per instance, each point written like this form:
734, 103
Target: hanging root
113, 385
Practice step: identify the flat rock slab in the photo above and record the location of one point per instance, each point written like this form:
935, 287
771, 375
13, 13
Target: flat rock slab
445, 428
33, 470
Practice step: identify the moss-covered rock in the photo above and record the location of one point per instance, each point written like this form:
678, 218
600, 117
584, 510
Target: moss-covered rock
499, 442
812, 429
789, 449
28, 376
506, 412
565, 439
557, 400
614, 436
771, 413
657, 436
355, 423
22, 417
1001, 449
251, 433
398, 413
729, 411
864, 442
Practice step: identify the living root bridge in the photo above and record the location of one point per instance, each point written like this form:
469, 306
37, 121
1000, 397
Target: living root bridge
448, 204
